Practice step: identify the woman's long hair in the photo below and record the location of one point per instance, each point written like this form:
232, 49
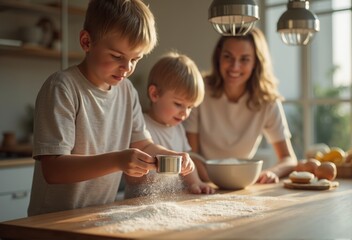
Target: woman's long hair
262, 85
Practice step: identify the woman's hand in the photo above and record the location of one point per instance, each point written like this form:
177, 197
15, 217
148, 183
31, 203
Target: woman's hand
268, 177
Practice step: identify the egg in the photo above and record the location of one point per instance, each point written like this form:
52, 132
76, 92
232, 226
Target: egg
311, 165
326, 170
300, 167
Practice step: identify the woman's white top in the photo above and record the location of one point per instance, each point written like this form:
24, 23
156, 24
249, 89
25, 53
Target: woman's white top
227, 129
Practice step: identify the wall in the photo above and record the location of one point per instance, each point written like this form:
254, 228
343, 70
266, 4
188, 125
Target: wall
182, 25
22, 76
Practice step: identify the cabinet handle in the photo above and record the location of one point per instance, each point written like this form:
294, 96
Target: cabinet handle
19, 195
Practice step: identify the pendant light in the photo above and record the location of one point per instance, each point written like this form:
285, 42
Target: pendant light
233, 17
298, 25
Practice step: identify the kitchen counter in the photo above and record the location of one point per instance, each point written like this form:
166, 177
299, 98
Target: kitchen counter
286, 214
16, 162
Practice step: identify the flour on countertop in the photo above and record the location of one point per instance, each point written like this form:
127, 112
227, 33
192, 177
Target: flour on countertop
194, 213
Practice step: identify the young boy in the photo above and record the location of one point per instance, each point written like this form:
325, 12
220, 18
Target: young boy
89, 127
175, 86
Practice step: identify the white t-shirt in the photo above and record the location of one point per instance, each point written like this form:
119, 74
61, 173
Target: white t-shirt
72, 116
171, 137
228, 129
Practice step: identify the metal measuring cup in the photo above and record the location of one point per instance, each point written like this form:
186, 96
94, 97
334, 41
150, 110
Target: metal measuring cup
168, 164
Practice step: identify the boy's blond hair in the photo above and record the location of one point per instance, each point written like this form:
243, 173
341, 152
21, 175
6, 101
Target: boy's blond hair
179, 73
131, 18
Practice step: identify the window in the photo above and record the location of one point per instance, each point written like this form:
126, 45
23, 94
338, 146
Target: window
315, 79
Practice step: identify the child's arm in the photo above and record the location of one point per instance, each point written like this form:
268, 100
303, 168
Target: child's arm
153, 149
65, 169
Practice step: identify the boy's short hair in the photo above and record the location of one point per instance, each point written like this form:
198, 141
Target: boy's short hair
131, 18
179, 73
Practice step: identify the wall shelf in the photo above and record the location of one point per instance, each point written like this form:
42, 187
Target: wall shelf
38, 52
35, 7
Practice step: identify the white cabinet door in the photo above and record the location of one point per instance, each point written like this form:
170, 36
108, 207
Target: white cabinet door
15, 187
14, 205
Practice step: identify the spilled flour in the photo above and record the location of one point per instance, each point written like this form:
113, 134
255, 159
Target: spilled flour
156, 185
203, 212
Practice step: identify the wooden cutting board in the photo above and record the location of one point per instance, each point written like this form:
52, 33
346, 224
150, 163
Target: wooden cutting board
310, 186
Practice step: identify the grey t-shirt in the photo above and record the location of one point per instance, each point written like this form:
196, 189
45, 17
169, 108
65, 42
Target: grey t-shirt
72, 116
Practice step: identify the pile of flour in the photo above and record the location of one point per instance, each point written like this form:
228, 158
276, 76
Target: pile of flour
171, 215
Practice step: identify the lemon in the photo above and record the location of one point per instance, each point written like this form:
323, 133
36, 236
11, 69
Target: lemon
335, 155
315, 148
319, 156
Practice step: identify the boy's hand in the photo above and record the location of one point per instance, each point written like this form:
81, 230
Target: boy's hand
187, 164
135, 163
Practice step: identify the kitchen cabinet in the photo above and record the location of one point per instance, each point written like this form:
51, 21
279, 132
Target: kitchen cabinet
15, 186
60, 10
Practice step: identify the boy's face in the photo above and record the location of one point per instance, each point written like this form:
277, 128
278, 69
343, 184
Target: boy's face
109, 60
169, 108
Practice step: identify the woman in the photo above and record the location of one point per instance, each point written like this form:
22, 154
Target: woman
241, 105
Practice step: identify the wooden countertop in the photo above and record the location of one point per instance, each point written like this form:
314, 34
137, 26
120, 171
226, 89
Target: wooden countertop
16, 162
288, 214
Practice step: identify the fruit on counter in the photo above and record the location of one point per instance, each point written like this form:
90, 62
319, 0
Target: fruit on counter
335, 155
348, 158
326, 170
319, 148
319, 156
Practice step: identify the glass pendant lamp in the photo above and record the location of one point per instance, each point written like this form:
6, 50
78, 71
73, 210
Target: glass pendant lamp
298, 25
233, 17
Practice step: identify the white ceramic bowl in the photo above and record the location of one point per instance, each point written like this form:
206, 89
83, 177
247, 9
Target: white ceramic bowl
234, 173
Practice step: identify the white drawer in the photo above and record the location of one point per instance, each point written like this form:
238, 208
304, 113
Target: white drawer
14, 205
16, 179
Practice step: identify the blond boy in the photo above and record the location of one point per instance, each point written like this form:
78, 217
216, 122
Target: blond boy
175, 86
89, 127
